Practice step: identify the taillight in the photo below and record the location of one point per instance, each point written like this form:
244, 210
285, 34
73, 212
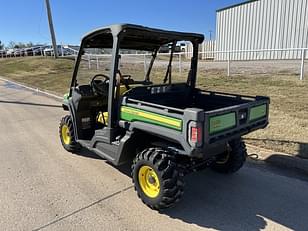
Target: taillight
195, 134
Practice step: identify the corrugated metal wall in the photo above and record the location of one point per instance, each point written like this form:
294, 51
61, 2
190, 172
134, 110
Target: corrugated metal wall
263, 24
207, 48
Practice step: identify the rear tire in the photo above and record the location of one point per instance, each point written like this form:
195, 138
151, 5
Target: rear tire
157, 180
67, 135
233, 159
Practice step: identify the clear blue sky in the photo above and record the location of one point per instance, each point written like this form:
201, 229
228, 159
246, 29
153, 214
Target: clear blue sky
24, 21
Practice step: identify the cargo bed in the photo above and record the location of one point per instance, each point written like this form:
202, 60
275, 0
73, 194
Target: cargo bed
223, 116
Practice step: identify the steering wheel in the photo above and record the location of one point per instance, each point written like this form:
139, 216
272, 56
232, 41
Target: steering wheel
125, 79
100, 87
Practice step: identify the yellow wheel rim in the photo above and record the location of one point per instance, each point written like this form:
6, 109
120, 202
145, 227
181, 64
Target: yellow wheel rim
225, 159
66, 134
148, 181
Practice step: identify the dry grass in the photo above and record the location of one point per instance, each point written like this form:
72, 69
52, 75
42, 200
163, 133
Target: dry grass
44, 73
288, 129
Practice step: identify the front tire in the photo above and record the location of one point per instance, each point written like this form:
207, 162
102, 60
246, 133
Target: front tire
157, 180
67, 135
233, 159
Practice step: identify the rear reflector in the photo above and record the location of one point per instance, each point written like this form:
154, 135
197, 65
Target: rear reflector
195, 134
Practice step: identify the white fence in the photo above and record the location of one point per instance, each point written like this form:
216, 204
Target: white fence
231, 56
181, 60
207, 54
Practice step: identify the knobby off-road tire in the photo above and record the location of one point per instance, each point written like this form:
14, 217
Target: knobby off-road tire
67, 136
157, 180
233, 159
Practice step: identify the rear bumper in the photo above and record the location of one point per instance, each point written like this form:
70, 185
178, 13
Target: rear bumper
238, 132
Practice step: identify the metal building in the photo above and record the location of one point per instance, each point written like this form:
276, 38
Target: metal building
262, 24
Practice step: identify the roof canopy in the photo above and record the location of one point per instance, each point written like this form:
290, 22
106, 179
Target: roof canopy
136, 37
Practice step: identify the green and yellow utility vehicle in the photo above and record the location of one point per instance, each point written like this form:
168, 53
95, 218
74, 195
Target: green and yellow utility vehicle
163, 125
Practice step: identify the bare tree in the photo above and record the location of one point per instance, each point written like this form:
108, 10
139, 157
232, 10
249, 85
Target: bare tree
11, 44
29, 44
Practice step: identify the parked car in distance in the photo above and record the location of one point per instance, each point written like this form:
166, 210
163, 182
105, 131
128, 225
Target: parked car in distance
10, 52
18, 52
28, 51
2, 53
164, 49
23, 52
180, 47
39, 50
61, 50
47, 50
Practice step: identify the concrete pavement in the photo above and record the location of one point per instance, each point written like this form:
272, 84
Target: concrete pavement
43, 187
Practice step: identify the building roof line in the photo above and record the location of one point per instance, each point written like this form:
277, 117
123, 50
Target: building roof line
236, 5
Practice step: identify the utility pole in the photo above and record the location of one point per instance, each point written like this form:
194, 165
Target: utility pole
52, 32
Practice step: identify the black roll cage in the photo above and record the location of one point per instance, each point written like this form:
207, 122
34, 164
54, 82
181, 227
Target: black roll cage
129, 36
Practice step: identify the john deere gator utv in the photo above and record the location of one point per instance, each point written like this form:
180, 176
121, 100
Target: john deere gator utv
154, 118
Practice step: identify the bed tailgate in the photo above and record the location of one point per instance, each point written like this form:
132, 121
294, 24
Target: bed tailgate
234, 121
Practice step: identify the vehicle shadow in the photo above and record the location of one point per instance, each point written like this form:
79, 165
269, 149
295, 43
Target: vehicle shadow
87, 153
303, 150
124, 169
251, 199
302, 147
30, 104
247, 200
